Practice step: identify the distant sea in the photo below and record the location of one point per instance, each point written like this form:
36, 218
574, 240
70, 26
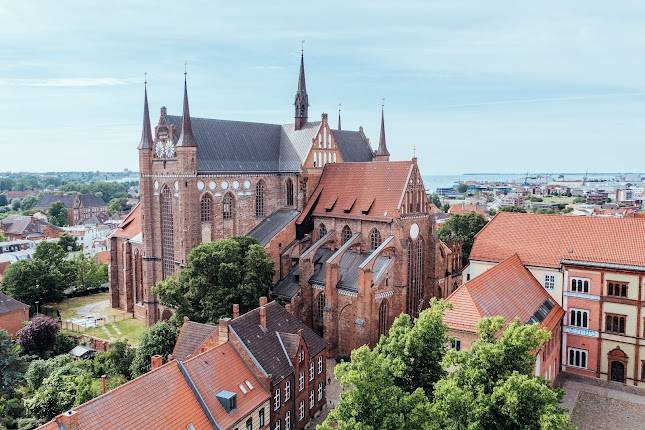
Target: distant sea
432, 182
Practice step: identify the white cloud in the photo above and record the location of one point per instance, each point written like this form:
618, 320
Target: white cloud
68, 82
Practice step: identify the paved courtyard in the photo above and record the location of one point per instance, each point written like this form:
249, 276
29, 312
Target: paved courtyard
603, 406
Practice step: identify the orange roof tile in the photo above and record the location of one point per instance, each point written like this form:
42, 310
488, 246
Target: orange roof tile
159, 399
131, 225
508, 290
102, 257
463, 208
546, 240
370, 190
222, 368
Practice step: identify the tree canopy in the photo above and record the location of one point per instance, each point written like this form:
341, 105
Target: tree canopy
462, 229
38, 336
410, 381
158, 340
218, 274
69, 243
58, 214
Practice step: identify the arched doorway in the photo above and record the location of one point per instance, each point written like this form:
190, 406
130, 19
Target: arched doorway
617, 360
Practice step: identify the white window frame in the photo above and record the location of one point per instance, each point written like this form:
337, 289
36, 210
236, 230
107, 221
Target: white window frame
583, 353
287, 390
287, 420
277, 424
320, 391
276, 400
549, 281
312, 399
312, 370
456, 344
582, 311
320, 365
301, 381
302, 409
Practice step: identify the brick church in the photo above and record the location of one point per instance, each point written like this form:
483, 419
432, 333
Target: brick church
351, 233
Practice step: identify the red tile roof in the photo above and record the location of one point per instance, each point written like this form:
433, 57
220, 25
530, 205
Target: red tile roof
191, 336
159, 399
131, 225
371, 190
546, 240
222, 368
464, 208
508, 290
102, 257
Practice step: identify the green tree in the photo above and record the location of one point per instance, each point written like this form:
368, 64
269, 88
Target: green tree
218, 274
435, 199
2, 238
492, 387
3, 200
69, 243
30, 281
58, 214
115, 362
157, 340
12, 365
29, 202
51, 253
117, 205
15, 204
462, 229
462, 188
579, 200
512, 209
86, 273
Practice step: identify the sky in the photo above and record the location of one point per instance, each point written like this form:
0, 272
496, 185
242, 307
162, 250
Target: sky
474, 86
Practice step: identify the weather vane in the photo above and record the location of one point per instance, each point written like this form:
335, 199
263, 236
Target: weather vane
382, 102
185, 67
302, 47
145, 78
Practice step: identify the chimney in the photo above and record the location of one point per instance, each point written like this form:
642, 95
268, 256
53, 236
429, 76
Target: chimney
186, 319
155, 362
236, 310
263, 312
223, 330
103, 384
68, 419
170, 358
288, 307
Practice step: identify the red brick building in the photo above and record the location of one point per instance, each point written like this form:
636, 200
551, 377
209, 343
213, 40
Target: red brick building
508, 290
279, 348
13, 314
19, 227
80, 207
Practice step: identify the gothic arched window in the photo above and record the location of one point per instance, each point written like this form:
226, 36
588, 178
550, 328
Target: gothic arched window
347, 234
228, 206
375, 239
206, 206
259, 199
322, 230
167, 233
382, 318
138, 278
320, 305
289, 186
415, 276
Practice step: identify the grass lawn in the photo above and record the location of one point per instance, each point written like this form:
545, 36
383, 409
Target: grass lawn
98, 306
131, 329
559, 199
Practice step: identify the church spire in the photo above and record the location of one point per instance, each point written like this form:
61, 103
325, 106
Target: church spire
146, 132
382, 154
301, 102
186, 138
339, 116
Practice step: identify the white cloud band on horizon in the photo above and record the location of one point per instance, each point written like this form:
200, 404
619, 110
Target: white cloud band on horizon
69, 82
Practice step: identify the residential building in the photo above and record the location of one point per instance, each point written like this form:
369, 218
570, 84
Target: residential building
26, 227
280, 348
215, 389
593, 267
511, 291
81, 208
13, 314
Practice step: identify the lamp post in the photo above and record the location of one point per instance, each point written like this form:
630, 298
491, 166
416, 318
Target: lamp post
37, 307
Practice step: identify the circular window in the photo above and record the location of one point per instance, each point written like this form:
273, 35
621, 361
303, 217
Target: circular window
247, 184
200, 185
212, 185
236, 185
224, 185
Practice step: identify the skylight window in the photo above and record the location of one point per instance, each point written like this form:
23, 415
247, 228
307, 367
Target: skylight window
248, 384
243, 389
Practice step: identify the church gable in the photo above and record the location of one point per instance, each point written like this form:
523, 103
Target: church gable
414, 198
324, 149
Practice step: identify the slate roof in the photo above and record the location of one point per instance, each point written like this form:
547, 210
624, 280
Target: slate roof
191, 336
289, 286
368, 191
87, 200
508, 290
546, 240
9, 304
321, 256
353, 145
25, 225
273, 224
240, 146
264, 344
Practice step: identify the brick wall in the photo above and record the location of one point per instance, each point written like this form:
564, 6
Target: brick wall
11, 322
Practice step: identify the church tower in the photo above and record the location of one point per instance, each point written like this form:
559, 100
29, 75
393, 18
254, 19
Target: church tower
382, 154
302, 99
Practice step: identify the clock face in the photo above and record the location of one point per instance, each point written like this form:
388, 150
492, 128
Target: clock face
170, 149
200, 185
